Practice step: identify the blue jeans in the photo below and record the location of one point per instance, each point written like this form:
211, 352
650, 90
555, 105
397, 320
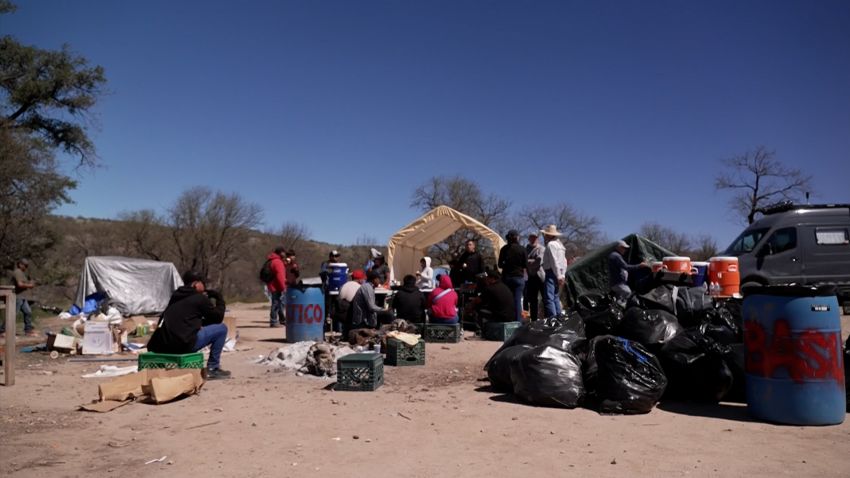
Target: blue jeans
213, 335
437, 320
276, 314
551, 297
517, 286
22, 306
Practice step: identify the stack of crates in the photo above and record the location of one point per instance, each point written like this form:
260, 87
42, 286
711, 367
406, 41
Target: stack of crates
360, 372
169, 361
400, 354
443, 333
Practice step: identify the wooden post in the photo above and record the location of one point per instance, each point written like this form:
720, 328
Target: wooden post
8, 295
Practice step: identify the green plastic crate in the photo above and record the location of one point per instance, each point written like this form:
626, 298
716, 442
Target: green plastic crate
500, 331
359, 372
155, 360
443, 333
400, 354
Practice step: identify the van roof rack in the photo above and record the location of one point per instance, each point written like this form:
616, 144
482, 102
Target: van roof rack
786, 205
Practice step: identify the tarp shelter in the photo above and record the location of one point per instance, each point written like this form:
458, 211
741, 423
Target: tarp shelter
134, 286
412, 242
590, 273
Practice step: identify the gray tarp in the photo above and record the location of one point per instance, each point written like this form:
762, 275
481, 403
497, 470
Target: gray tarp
135, 286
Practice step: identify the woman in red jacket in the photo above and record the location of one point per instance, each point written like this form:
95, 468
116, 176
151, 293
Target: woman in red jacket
443, 302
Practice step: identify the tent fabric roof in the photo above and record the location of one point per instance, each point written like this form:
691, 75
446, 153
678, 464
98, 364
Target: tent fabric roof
411, 242
135, 286
590, 273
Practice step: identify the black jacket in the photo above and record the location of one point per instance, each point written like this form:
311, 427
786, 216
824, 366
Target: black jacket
474, 266
513, 260
187, 311
499, 301
409, 304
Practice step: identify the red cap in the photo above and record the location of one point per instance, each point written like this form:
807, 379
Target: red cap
358, 275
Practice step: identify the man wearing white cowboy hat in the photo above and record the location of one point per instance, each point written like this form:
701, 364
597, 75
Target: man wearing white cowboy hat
555, 269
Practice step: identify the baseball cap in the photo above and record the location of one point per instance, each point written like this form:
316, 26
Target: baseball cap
334, 252
623, 244
358, 274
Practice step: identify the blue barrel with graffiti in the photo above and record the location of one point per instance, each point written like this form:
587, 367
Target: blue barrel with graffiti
793, 357
305, 314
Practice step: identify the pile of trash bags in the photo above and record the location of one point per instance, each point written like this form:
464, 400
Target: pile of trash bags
614, 357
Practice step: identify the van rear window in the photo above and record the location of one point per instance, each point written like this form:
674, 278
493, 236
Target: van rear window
832, 236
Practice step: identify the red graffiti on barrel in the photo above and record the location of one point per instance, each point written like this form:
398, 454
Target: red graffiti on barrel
807, 355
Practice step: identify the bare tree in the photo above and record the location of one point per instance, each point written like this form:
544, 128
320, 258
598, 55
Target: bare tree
292, 234
665, 237
759, 179
703, 247
580, 231
145, 233
209, 228
465, 196
365, 240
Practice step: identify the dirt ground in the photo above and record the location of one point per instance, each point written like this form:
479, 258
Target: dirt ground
436, 420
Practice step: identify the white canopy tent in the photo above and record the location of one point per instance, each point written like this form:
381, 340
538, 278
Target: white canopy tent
411, 242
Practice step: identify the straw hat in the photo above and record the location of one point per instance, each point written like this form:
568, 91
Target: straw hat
551, 230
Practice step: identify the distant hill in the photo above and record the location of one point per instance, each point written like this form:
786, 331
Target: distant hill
58, 271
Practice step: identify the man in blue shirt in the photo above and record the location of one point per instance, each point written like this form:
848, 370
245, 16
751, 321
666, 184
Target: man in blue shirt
618, 271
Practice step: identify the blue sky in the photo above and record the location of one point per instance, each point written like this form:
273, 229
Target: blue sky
331, 113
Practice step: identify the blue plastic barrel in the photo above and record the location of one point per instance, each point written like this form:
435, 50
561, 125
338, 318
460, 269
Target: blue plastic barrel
305, 314
701, 273
794, 366
337, 275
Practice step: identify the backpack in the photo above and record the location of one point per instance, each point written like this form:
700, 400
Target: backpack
266, 274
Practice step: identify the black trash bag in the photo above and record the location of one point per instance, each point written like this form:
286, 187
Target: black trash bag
718, 324
548, 376
499, 367
601, 313
660, 297
847, 371
621, 376
651, 328
696, 368
691, 301
587, 304
566, 332
735, 361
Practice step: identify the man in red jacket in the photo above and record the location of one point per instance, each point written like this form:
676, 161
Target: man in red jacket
277, 286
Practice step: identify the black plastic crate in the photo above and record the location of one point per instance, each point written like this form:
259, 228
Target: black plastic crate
443, 333
400, 354
500, 331
359, 372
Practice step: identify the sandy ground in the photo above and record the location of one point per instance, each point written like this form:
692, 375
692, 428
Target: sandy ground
437, 420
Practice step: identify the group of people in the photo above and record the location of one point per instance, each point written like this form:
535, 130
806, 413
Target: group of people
534, 270
193, 318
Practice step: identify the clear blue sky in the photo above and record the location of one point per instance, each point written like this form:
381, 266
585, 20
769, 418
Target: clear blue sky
331, 113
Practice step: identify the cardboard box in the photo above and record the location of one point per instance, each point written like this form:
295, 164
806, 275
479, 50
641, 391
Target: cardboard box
61, 342
98, 338
162, 385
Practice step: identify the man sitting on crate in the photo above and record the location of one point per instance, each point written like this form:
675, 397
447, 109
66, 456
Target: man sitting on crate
191, 322
496, 302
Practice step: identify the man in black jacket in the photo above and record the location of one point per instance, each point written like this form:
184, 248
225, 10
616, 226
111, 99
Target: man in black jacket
496, 303
191, 322
409, 302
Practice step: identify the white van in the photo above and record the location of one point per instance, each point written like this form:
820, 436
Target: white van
803, 244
